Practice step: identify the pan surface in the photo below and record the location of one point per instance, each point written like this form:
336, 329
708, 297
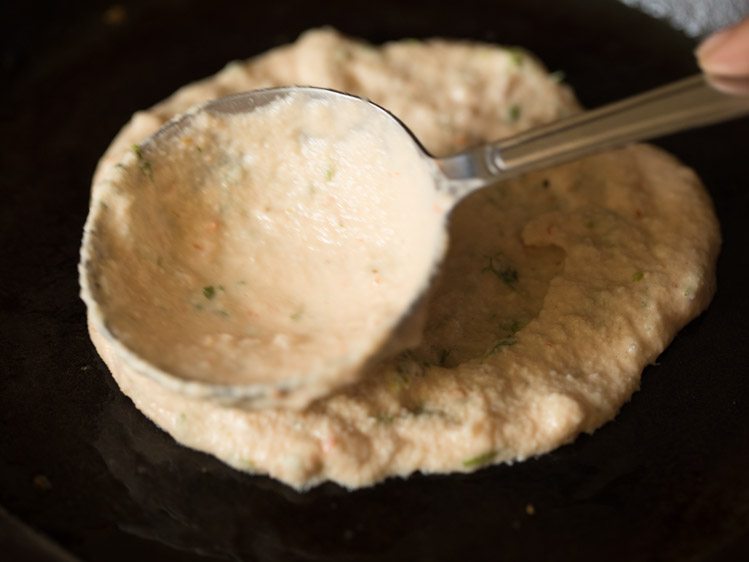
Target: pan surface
667, 480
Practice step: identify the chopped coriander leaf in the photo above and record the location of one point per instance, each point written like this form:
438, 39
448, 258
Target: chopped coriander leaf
420, 409
209, 291
417, 409
503, 270
330, 172
513, 114
514, 326
509, 275
443, 356
143, 164
638, 276
383, 417
509, 337
296, 316
408, 364
399, 382
147, 169
504, 342
480, 460
518, 56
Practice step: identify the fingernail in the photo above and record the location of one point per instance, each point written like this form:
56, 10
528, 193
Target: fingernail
713, 43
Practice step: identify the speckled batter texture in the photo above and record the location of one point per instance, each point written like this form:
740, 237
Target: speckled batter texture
558, 288
276, 250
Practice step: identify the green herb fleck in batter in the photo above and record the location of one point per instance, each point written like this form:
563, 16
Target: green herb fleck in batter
383, 418
503, 270
143, 164
444, 354
509, 338
209, 291
330, 172
480, 460
296, 316
400, 381
507, 341
513, 114
408, 364
420, 409
638, 276
517, 56
513, 327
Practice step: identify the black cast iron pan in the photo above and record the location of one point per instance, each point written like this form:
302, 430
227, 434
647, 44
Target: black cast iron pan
668, 480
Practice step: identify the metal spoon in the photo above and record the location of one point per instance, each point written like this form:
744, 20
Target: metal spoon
689, 103
686, 104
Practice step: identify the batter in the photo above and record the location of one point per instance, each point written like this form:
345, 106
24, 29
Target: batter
279, 247
557, 290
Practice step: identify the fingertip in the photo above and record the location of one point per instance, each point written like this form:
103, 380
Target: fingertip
712, 43
726, 52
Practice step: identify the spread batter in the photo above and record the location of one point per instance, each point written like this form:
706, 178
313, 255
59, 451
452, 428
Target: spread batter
557, 290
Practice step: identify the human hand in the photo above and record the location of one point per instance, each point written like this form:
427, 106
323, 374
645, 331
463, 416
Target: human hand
726, 52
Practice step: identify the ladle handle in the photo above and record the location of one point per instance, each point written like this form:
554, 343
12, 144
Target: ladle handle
688, 103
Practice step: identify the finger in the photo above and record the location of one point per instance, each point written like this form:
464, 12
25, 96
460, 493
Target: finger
726, 52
